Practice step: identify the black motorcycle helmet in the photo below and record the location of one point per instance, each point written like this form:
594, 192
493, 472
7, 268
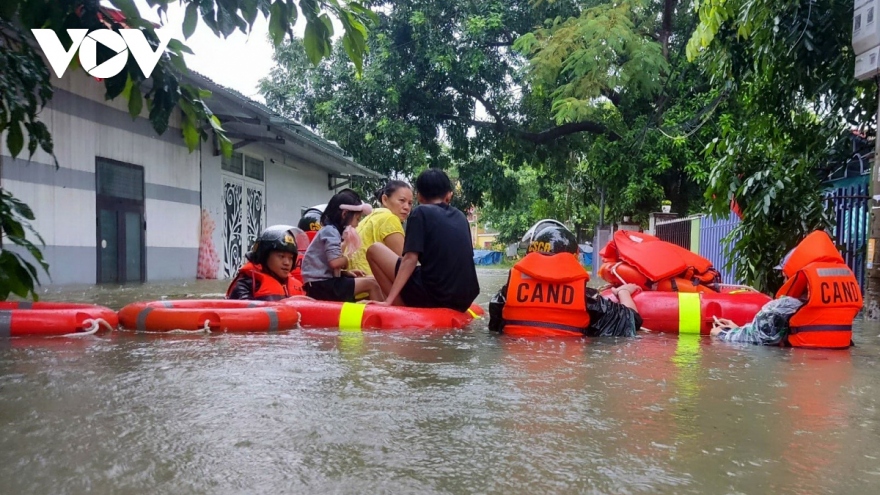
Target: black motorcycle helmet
553, 239
274, 238
311, 220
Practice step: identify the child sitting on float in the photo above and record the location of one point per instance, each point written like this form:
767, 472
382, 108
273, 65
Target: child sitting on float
267, 274
325, 266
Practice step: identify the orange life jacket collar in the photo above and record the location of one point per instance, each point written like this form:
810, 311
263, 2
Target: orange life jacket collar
557, 268
267, 286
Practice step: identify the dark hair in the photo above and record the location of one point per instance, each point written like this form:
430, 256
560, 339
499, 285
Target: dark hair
433, 184
390, 188
337, 217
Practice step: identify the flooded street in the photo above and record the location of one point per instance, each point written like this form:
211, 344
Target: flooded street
430, 412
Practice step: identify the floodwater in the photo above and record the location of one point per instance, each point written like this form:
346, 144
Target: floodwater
431, 412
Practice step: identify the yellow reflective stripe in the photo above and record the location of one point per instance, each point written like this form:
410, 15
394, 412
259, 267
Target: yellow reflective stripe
689, 312
351, 316
473, 315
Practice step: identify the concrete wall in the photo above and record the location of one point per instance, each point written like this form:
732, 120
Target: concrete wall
290, 185
85, 127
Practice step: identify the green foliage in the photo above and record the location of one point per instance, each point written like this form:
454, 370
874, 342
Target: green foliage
792, 98
25, 85
24, 89
477, 87
17, 274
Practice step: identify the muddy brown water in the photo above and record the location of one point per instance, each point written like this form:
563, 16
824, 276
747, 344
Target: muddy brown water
450, 412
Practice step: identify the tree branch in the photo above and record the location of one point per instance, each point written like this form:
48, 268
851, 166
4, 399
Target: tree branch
488, 106
542, 137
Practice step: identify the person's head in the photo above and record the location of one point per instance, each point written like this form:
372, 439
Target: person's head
310, 221
433, 185
553, 239
397, 196
275, 250
345, 208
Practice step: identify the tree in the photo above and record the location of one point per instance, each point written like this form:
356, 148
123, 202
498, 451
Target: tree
493, 87
25, 86
788, 68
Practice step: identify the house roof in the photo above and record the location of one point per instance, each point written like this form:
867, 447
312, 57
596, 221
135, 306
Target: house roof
245, 119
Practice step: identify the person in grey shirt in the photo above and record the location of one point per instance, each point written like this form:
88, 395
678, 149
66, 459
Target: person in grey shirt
325, 266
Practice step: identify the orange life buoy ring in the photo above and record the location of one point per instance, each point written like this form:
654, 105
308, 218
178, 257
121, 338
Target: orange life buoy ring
620, 272
49, 318
216, 314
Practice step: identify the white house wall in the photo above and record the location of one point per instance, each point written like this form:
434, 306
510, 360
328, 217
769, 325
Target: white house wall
287, 190
85, 127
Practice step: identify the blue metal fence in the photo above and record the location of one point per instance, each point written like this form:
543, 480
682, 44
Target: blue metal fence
711, 246
849, 198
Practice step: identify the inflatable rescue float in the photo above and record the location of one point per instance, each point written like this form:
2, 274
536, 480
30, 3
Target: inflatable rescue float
694, 312
216, 315
54, 319
359, 316
681, 290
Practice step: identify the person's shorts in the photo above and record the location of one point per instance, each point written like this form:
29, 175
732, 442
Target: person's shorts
414, 293
332, 289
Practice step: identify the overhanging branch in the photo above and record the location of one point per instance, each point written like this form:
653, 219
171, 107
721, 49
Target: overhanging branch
542, 137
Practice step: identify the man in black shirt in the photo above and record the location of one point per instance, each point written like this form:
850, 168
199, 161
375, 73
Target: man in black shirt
437, 236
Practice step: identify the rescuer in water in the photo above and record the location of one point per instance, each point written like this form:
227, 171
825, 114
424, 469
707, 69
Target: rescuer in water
546, 294
814, 308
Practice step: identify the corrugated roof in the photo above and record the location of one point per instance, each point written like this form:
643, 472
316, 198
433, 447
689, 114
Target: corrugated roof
291, 127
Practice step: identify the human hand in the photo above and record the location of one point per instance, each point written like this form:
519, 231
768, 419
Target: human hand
357, 273
632, 289
722, 324
381, 303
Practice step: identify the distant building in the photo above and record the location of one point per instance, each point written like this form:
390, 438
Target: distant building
481, 237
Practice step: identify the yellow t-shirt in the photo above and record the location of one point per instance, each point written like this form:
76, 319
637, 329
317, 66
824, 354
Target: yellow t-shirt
374, 228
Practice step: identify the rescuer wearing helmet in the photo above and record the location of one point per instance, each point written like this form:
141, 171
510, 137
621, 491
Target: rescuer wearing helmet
814, 308
267, 274
546, 294
310, 223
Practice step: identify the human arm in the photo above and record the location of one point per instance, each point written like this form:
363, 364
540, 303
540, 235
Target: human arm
769, 327
242, 288
625, 293
394, 242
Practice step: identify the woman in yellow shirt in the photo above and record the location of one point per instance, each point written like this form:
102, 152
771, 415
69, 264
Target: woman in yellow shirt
385, 224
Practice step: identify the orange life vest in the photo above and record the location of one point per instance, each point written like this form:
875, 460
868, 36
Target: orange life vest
546, 297
818, 274
266, 287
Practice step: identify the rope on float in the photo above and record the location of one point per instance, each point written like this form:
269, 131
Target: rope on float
738, 286
614, 271
91, 328
206, 329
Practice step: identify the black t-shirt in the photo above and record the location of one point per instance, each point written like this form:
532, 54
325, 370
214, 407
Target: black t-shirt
441, 236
